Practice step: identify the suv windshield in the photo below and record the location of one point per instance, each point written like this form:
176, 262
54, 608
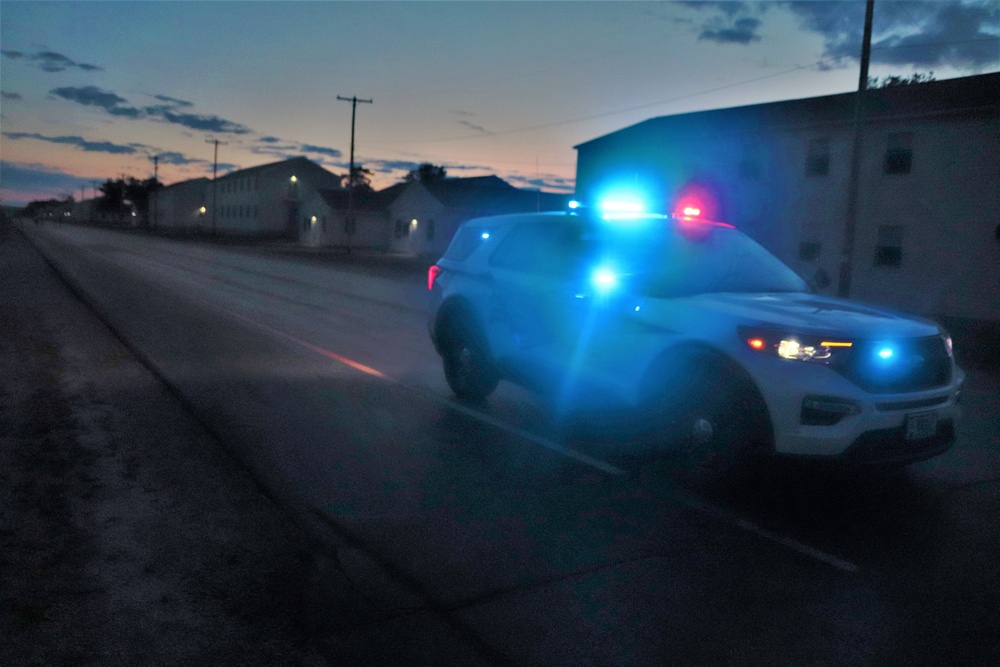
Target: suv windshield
669, 260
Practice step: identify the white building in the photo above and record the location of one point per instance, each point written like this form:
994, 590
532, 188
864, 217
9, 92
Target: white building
180, 207
425, 216
260, 201
338, 219
926, 238
265, 200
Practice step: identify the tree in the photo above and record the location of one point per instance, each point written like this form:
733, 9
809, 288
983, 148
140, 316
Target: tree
896, 80
120, 197
35, 208
426, 173
361, 181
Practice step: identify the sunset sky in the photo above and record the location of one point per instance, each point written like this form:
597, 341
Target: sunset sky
93, 90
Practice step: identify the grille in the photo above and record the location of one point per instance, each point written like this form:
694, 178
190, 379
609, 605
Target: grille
916, 364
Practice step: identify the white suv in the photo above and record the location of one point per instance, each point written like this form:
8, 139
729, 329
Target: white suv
709, 340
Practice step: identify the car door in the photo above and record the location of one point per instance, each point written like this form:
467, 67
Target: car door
534, 278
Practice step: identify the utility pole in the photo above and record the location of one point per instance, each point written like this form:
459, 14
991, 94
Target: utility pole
155, 193
851, 218
215, 169
350, 174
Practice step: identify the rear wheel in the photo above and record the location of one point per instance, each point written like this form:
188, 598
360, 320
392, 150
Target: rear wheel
470, 371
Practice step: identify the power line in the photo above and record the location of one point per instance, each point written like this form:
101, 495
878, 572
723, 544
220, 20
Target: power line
708, 91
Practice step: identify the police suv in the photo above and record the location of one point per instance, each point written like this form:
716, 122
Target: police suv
709, 340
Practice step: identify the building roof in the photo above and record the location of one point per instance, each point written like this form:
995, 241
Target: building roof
967, 95
364, 200
193, 181
473, 192
299, 162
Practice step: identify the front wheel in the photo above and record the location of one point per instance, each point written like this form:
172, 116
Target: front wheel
713, 418
468, 367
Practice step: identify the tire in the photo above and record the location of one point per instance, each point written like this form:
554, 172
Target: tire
468, 367
710, 416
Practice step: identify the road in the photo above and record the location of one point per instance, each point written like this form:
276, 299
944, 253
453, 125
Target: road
550, 546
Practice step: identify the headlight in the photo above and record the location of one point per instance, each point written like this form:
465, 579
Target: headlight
793, 346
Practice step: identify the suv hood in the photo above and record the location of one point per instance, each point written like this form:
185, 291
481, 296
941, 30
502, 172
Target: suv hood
804, 313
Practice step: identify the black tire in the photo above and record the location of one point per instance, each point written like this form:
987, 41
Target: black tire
710, 416
468, 367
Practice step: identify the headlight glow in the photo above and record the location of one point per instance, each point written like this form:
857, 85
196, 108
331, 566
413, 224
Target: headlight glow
604, 279
795, 347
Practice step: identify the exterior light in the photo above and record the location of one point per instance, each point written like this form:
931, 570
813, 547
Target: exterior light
202, 210
313, 220
413, 223
294, 179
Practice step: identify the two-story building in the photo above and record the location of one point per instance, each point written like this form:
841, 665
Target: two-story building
924, 237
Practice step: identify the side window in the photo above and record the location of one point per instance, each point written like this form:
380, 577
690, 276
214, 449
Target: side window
899, 153
818, 159
551, 250
466, 241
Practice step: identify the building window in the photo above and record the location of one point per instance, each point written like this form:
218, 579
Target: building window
809, 251
889, 249
818, 160
899, 153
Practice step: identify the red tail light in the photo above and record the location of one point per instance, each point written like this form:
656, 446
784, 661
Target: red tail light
432, 274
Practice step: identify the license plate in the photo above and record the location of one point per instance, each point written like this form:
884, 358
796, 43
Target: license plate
921, 425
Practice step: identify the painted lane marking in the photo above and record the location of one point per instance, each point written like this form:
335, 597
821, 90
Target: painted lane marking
751, 527
458, 407
705, 508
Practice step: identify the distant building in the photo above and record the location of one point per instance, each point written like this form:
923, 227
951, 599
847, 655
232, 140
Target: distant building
927, 238
335, 218
181, 207
414, 218
425, 216
265, 200
260, 201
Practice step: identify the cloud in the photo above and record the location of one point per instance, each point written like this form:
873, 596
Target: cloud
173, 157
10, 97
173, 101
205, 123
112, 103
732, 22
920, 34
562, 185
79, 142
473, 126
89, 96
389, 166
22, 182
50, 61
742, 31
270, 140
332, 152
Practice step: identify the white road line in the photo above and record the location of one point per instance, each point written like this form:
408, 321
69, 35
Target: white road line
597, 464
458, 407
751, 527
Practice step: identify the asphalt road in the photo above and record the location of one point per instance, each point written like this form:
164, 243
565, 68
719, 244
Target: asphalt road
552, 546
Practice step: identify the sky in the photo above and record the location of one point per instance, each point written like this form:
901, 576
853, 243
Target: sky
94, 90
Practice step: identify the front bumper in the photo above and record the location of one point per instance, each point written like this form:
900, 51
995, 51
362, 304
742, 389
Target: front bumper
876, 433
